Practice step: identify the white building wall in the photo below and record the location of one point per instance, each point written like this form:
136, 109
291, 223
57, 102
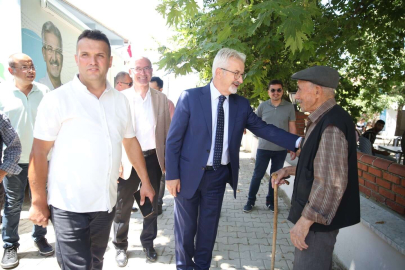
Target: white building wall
10, 21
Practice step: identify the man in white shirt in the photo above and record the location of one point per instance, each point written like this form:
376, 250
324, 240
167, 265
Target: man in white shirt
19, 101
150, 110
85, 122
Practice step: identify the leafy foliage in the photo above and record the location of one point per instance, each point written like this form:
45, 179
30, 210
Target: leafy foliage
363, 39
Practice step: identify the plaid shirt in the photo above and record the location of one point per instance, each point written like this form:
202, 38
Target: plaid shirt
330, 169
12, 153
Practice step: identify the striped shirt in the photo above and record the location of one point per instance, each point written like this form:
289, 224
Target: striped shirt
330, 169
12, 153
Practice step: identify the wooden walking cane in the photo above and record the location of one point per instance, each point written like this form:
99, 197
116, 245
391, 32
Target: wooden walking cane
273, 248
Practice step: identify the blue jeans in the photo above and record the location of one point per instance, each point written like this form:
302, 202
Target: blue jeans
14, 187
263, 158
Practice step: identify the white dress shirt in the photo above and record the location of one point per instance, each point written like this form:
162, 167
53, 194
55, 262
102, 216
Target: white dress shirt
143, 115
22, 111
87, 132
215, 94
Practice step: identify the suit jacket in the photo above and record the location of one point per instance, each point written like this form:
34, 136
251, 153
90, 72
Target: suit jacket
162, 120
189, 140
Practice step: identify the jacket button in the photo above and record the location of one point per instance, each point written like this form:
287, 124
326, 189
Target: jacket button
208, 150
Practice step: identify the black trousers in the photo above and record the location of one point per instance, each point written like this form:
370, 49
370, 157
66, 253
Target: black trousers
125, 200
81, 238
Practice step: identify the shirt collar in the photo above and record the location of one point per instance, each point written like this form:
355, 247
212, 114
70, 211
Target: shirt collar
79, 85
214, 92
321, 110
281, 103
33, 89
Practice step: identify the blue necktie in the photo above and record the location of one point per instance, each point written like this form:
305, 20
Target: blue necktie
219, 134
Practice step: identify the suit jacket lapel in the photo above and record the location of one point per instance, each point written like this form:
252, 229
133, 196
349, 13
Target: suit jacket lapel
205, 99
155, 104
233, 108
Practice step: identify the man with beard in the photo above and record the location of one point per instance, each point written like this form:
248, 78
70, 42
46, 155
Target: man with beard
20, 101
202, 155
53, 55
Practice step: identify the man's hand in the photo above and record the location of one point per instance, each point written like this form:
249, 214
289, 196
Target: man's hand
277, 177
147, 191
173, 186
2, 174
299, 232
293, 155
39, 214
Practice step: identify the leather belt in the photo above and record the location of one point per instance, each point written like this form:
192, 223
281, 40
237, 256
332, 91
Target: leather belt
211, 168
149, 152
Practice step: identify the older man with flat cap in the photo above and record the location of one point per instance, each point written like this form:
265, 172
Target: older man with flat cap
326, 187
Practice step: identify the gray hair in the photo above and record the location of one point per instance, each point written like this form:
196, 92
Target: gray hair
138, 57
223, 56
119, 76
49, 27
329, 92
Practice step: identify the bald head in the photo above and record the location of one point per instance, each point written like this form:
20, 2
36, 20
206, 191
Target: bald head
22, 68
16, 58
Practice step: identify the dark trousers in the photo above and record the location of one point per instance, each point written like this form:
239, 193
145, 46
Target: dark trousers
14, 187
81, 238
162, 189
125, 200
198, 218
263, 158
318, 255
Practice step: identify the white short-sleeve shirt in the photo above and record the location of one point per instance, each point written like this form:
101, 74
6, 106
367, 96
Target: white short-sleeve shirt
88, 133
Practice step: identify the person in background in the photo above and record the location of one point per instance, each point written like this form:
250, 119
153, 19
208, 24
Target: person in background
157, 83
280, 113
371, 135
361, 125
19, 101
10, 155
122, 81
151, 121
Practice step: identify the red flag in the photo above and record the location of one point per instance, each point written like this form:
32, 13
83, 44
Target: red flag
129, 51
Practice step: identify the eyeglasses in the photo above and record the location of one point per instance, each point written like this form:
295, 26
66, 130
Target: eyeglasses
26, 68
50, 50
279, 90
139, 70
237, 74
129, 84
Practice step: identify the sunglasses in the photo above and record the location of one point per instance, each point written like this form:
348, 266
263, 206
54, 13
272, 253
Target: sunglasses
279, 90
129, 84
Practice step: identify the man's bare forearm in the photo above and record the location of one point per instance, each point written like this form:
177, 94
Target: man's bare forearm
135, 156
37, 176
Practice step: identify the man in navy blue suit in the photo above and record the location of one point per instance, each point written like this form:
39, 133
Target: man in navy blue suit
202, 155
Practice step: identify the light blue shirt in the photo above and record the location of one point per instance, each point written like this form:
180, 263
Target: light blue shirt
22, 112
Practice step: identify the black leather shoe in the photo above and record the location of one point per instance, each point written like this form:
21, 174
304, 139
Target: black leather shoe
134, 209
160, 209
151, 254
121, 258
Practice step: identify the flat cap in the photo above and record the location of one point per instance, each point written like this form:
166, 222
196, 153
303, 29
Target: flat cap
320, 75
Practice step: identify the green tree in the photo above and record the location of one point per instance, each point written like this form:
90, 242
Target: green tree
363, 39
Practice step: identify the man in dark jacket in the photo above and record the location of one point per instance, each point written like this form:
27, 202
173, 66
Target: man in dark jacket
326, 189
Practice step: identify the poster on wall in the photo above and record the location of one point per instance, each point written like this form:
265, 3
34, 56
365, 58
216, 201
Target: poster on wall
50, 42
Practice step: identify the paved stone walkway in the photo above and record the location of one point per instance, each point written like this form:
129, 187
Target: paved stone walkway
243, 241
